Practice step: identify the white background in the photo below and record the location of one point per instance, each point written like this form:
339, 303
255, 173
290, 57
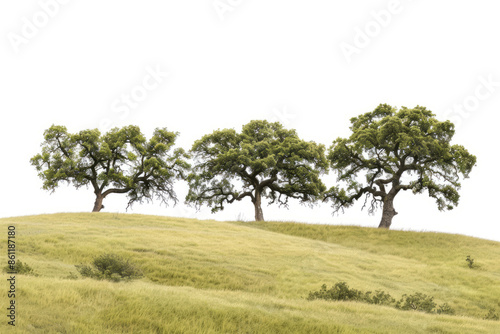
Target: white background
229, 62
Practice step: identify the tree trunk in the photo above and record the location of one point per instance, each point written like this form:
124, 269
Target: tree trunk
98, 203
259, 216
388, 212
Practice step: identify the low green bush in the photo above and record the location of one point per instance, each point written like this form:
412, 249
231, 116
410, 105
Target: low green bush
445, 309
380, 298
470, 262
20, 268
341, 291
417, 302
109, 266
491, 315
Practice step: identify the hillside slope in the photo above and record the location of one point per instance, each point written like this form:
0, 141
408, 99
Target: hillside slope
228, 277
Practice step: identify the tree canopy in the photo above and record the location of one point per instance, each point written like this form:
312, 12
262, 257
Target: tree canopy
396, 150
268, 160
121, 161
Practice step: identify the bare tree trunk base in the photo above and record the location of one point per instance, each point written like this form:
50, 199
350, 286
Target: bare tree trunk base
388, 213
98, 204
259, 215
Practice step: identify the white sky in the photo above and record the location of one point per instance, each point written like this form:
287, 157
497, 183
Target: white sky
229, 62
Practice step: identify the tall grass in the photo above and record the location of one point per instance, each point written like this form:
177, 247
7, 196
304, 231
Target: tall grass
225, 277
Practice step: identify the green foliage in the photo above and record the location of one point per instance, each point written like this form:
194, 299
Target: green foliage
120, 161
263, 160
380, 298
109, 266
87, 271
388, 146
491, 315
445, 309
416, 302
470, 262
21, 269
341, 291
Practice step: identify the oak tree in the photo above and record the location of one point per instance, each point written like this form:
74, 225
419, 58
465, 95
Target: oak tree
264, 160
398, 150
121, 161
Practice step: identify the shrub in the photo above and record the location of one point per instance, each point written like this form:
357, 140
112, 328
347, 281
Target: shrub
20, 268
470, 262
491, 315
86, 271
340, 291
380, 298
445, 309
109, 266
416, 302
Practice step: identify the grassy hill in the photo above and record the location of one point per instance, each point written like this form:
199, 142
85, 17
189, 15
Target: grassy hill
230, 277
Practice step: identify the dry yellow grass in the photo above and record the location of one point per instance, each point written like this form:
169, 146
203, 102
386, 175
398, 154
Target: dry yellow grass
226, 277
